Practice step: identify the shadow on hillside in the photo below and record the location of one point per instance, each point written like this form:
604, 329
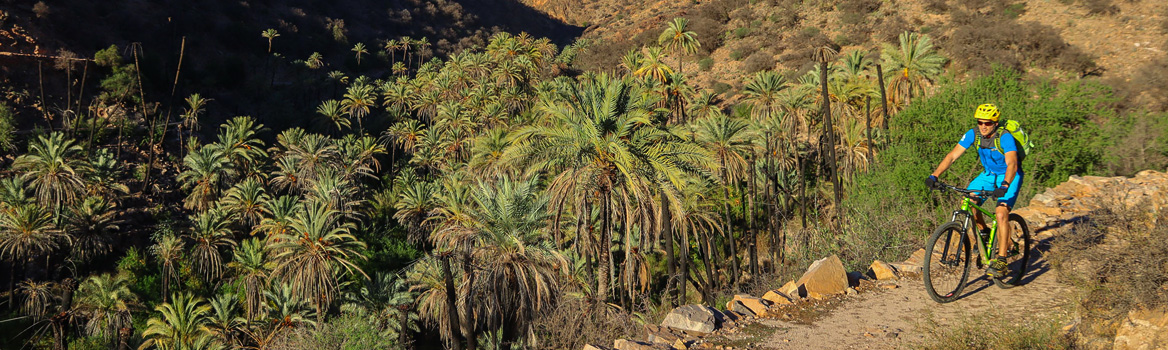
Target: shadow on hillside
515, 16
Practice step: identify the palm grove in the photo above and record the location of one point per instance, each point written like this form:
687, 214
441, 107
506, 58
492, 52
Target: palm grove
464, 197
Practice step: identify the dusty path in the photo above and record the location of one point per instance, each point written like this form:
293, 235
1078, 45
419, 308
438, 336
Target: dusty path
897, 318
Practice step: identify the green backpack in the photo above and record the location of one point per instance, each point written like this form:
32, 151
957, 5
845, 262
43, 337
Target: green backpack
1023, 141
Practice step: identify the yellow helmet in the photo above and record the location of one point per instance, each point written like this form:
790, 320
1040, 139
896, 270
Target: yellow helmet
987, 111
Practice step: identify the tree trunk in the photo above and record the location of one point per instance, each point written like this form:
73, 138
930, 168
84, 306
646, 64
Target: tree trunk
403, 339
883, 98
602, 276
753, 232
732, 257
708, 293
451, 305
684, 262
868, 125
468, 323
670, 260
830, 133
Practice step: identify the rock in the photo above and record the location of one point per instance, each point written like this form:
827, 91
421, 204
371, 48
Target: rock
794, 291
594, 347
1143, 330
777, 297
852, 291
917, 257
625, 344
755, 305
825, 276
737, 306
882, 271
697, 318
906, 268
679, 345
661, 335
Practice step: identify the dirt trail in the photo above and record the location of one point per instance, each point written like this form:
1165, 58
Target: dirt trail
895, 318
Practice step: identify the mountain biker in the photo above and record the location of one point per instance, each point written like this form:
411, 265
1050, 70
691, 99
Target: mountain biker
1002, 175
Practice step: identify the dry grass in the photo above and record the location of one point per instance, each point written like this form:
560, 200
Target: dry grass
1118, 261
982, 333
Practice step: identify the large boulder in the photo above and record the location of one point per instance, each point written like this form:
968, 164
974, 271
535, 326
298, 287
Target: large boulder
737, 306
753, 304
696, 318
1143, 330
825, 277
882, 271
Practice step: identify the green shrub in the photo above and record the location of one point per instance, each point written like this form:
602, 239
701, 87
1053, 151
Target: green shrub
705, 63
736, 55
7, 127
741, 32
1060, 119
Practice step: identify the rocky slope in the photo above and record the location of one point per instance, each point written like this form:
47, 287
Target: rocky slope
886, 307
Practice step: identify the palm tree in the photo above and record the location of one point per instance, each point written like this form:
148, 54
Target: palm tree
107, 301
252, 268
167, 249
224, 321
415, 201
53, 168
238, 139
382, 298
596, 140
211, 233
679, 40
358, 100
26, 232
652, 65
914, 63
245, 201
391, 47
206, 171
317, 247
196, 105
730, 141
89, 224
331, 111
103, 176
360, 50
181, 324
269, 34
314, 61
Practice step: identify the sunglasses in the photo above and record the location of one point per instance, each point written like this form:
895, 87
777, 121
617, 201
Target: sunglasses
986, 122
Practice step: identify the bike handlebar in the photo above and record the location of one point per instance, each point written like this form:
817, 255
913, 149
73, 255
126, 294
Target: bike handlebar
979, 194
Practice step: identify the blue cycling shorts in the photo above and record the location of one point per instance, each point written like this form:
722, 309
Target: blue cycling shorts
988, 182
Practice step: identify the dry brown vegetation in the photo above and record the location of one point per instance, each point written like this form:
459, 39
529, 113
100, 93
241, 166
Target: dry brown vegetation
1118, 261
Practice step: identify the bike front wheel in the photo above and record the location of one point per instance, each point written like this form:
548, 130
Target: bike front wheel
1018, 256
946, 263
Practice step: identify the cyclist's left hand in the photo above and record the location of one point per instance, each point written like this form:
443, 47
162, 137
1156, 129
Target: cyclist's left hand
1001, 191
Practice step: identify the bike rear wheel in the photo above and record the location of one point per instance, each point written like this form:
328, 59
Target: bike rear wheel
1018, 256
946, 262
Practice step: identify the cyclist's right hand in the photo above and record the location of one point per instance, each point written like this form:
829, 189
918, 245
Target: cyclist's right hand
931, 182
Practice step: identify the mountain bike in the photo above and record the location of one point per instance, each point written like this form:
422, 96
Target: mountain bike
948, 250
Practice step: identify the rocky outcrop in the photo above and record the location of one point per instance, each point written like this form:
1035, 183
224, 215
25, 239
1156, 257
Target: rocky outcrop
825, 277
697, 318
1073, 201
1143, 330
882, 271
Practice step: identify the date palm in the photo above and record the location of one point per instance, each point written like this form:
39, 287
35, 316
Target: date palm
27, 232
730, 141
332, 115
252, 267
653, 65
278, 214
358, 101
314, 61
679, 39
311, 256
270, 34
106, 301
912, 64
211, 233
196, 105
416, 200
238, 139
224, 322
360, 50
14, 193
167, 250
37, 296
180, 324
53, 167
103, 176
89, 224
245, 201
206, 171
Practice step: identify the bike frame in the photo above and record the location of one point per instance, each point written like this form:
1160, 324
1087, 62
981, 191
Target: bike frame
966, 216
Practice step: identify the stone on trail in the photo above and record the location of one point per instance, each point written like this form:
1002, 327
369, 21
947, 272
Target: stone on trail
737, 306
882, 271
696, 318
777, 297
594, 347
907, 268
825, 277
625, 344
661, 335
750, 302
794, 291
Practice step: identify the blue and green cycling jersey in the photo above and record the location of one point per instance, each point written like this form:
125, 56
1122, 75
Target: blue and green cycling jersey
993, 161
